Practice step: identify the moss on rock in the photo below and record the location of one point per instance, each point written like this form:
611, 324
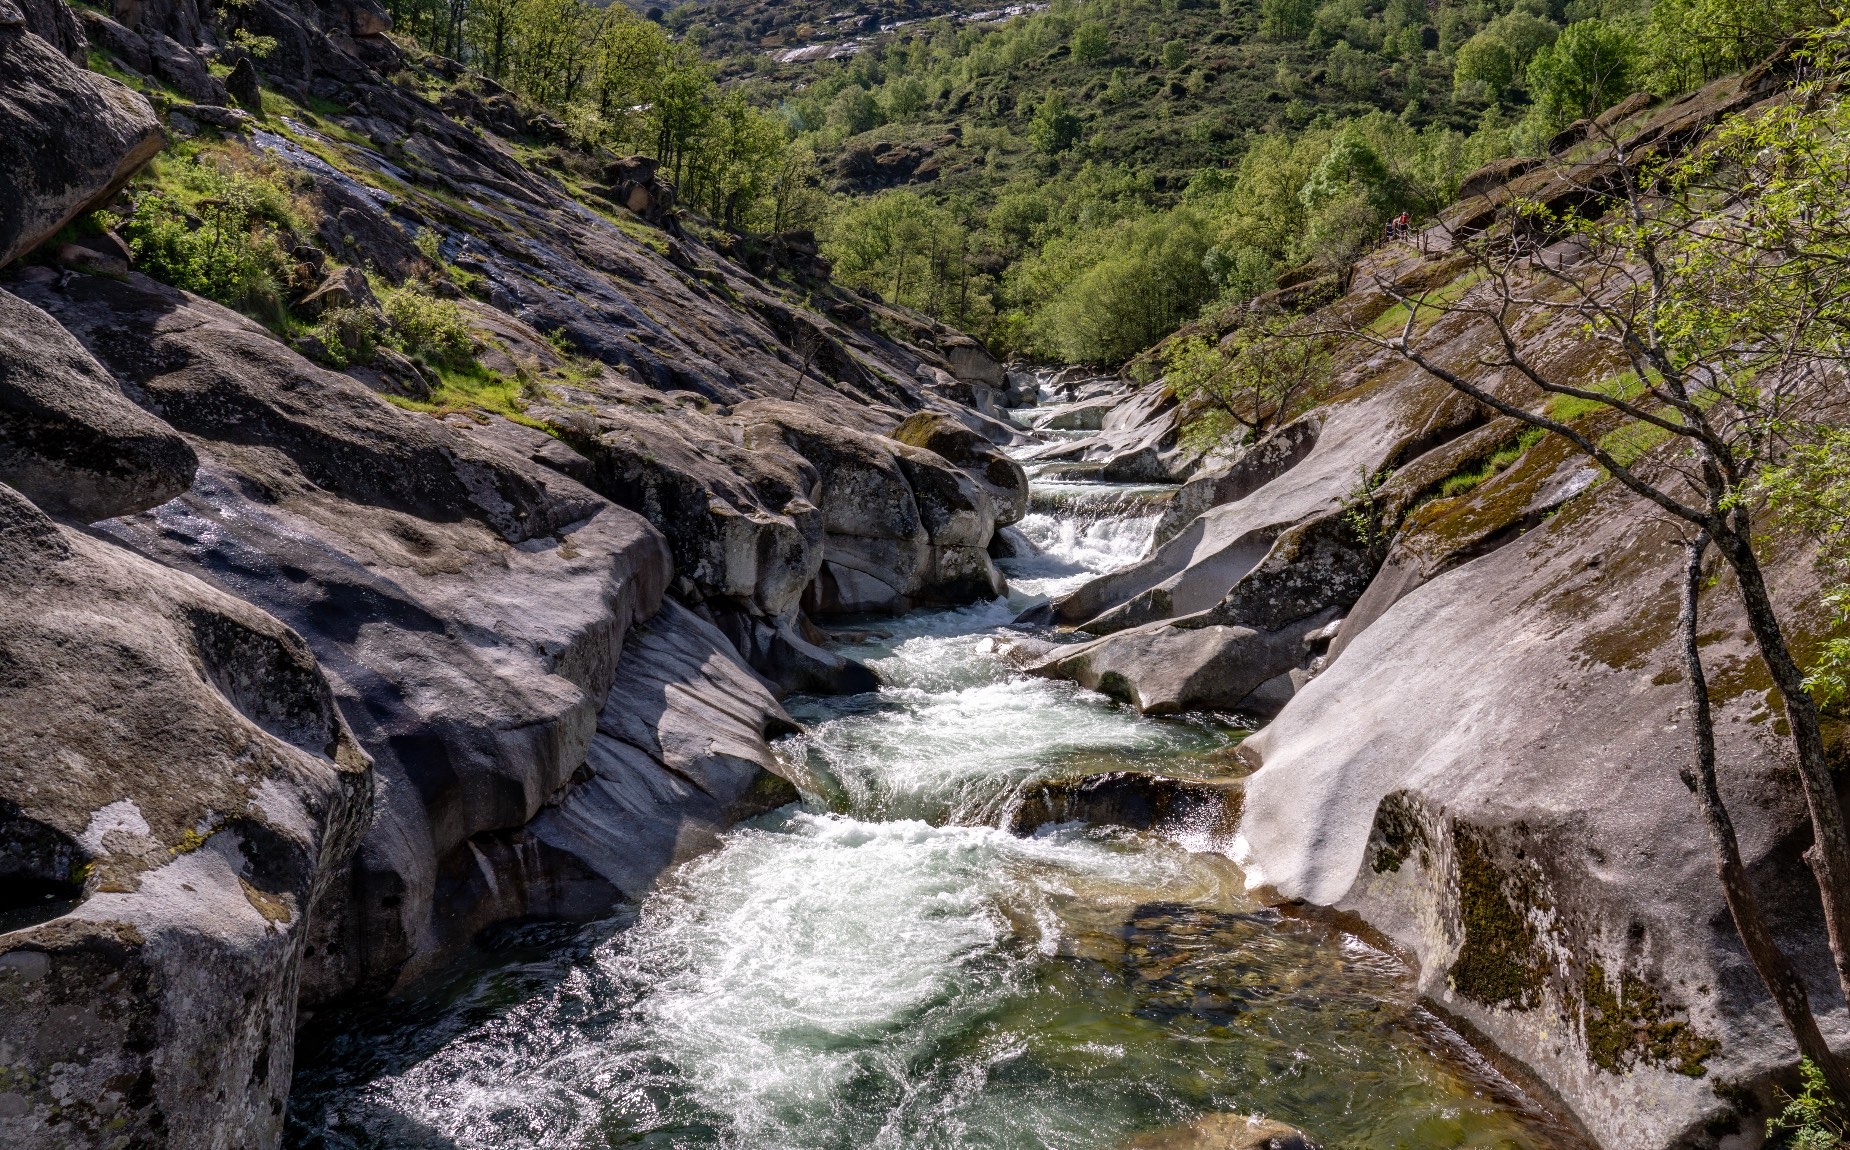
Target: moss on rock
1500, 963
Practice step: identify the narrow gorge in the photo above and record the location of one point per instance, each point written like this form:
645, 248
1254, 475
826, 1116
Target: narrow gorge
688, 700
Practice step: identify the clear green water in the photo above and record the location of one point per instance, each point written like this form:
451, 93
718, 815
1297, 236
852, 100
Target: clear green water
882, 967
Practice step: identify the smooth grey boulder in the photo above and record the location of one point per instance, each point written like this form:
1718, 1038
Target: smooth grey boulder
1082, 415
1202, 562
217, 375
971, 362
126, 45
178, 794
1232, 477
741, 523
680, 754
902, 526
1489, 774
1001, 478
1166, 668
53, 22
69, 439
468, 605
69, 138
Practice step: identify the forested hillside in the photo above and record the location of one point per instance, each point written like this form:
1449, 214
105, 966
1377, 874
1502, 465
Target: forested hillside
1074, 181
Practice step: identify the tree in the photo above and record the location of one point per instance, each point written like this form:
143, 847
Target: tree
1053, 129
1123, 287
1485, 64
1175, 53
854, 110
1248, 383
1286, 20
1091, 42
1589, 68
1689, 42
1721, 284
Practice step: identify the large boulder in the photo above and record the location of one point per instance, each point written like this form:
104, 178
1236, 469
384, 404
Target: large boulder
467, 604
1490, 774
1168, 668
1001, 478
69, 138
680, 754
903, 527
178, 795
69, 439
971, 362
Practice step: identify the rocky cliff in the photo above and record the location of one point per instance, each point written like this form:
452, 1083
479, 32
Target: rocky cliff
309, 679
1463, 639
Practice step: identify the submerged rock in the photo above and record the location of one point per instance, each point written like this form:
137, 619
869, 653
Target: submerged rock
1133, 799
1227, 1132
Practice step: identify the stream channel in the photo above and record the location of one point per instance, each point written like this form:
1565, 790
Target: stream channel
882, 966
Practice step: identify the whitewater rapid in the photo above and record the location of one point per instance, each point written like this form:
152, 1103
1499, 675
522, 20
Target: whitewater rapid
883, 966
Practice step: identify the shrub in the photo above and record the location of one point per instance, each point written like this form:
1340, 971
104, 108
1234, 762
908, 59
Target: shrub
1054, 129
348, 335
215, 224
426, 326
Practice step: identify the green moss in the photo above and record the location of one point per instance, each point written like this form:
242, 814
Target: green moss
1431, 305
1635, 1025
1399, 832
1567, 408
471, 388
1464, 481
1500, 963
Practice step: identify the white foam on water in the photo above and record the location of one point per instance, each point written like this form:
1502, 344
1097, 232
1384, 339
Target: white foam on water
883, 967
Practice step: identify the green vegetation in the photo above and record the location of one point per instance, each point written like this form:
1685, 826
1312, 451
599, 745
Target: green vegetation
1811, 1119
1076, 183
213, 221
1080, 156
1256, 378
1634, 1025
1499, 962
1497, 462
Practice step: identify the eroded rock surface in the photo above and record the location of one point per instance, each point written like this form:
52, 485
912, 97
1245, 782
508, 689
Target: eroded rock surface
69, 439
178, 795
68, 137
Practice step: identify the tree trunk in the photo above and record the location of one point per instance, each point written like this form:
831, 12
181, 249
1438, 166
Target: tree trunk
1775, 971
1829, 855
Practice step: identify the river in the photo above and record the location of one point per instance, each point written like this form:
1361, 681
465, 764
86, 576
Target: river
881, 966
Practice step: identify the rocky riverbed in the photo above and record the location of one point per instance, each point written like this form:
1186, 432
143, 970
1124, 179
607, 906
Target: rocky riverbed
883, 963
869, 791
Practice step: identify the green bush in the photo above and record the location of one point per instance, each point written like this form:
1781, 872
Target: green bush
218, 225
430, 328
1811, 1120
1054, 129
348, 336
1091, 42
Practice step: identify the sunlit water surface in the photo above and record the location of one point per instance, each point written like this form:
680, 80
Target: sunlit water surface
881, 967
